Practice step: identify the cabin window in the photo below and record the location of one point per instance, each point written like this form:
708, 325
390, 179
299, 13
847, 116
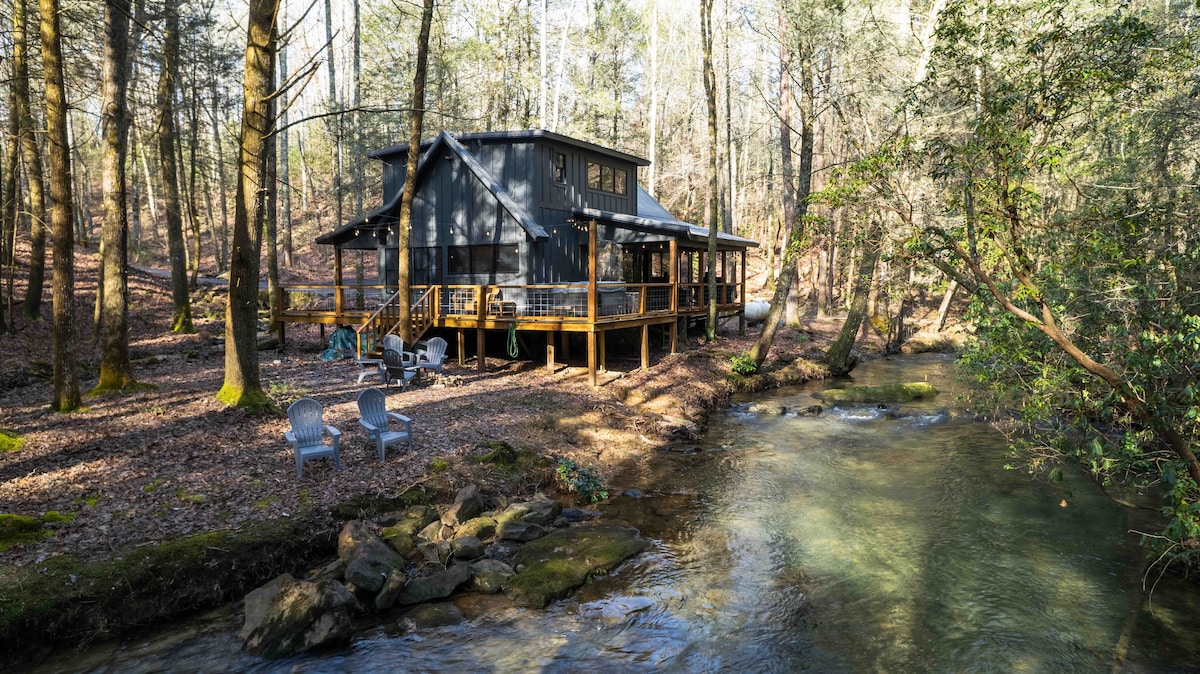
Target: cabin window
425, 265
472, 260
560, 168
609, 179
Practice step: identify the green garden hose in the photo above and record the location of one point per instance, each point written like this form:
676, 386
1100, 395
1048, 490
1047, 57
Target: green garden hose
512, 340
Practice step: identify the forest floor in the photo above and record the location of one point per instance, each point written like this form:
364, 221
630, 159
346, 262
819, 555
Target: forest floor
170, 460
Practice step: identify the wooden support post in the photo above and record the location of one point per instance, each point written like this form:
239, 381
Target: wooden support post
480, 351
645, 347
550, 354
603, 356
742, 298
337, 282
591, 356
462, 348
593, 241
673, 277
674, 332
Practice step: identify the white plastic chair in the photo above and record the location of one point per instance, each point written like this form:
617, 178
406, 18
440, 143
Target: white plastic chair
307, 435
433, 355
396, 344
376, 419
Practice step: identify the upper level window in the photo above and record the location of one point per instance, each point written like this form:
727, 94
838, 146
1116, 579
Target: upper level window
560, 167
606, 178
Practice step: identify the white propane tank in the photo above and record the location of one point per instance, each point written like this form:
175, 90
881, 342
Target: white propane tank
756, 311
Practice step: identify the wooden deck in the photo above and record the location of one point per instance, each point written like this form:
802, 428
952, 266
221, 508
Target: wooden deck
590, 308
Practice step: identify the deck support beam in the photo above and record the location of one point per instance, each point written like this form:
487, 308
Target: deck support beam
674, 337
742, 298
550, 354
603, 356
646, 347
480, 350
591, 348
462, 348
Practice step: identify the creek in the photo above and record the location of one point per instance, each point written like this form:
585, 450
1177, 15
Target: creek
858, 540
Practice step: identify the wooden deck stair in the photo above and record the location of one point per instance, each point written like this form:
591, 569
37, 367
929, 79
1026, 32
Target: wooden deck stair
386, 320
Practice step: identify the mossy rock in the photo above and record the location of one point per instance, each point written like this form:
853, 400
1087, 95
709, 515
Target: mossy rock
65, 600
499, 452
557, 563
886, 393
10, 442
17, 529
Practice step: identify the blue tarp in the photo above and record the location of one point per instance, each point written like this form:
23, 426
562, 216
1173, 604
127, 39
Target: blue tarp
341, 345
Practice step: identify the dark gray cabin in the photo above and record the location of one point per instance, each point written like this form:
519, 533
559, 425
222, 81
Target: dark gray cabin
510, 208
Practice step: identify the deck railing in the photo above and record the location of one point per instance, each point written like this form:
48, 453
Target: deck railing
378, 312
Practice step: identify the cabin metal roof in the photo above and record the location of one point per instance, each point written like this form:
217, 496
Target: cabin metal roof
515, 137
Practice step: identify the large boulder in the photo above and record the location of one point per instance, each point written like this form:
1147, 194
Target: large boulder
432, 615
466, 547
490, 575
301, 616
409, 522
554, 565
370, 563
886, 393
541, 511
438, 586
519, 531
352, 535
480, 527
467, 504
390, 592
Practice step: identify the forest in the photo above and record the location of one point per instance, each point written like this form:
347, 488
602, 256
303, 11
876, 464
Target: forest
1034, 161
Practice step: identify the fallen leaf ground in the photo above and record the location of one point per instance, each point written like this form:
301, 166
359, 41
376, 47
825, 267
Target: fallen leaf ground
137, 468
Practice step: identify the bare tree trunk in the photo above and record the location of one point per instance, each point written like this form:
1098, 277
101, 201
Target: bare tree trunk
148, 181
193, 111
219, 153
839, 359
334, 123
795, 195
8, 227
714, 217
270, 224
242, 385
285, 184
66, 375
410, 183
33, 164
652, 143
116, 372
944, 308
182, 308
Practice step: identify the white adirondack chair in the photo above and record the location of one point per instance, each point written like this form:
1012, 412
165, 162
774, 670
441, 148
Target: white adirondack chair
307, 435
433, 355
376, 419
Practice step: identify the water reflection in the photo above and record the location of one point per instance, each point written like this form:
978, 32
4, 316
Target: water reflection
859, 540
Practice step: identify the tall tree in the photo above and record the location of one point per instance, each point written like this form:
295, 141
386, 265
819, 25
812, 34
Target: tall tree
8, 226
242, 386
796, 186
181, 320
62, 234
410, 177
714, 213
285, 174
116, 372
32, 155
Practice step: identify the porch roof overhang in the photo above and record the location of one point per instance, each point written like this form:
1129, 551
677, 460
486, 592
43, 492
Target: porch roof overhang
654, 219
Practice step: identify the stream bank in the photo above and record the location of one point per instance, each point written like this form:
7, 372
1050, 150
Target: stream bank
53, 601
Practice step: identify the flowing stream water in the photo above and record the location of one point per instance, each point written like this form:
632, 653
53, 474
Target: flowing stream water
858, 540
